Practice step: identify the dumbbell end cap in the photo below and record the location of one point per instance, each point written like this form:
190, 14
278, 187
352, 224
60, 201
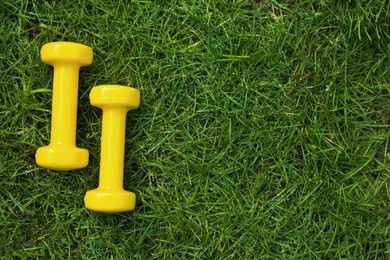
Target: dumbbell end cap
109, 201
62, 52
60, 158
115, 96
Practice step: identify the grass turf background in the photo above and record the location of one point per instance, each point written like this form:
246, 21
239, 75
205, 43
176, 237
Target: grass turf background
262, 131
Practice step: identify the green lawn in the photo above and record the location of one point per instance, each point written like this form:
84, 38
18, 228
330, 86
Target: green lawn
263, 130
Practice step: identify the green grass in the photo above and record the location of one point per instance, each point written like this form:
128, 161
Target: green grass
263, 130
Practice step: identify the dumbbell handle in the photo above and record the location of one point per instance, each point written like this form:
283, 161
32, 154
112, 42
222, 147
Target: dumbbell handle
112, 148
64, 104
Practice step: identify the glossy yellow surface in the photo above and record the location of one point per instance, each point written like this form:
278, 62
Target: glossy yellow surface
115, 101
66, 58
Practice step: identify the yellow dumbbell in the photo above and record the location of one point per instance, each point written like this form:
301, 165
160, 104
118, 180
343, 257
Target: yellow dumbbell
115, 101
66, 58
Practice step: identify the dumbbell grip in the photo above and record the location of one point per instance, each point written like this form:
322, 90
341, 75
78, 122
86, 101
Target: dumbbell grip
64, 104
112, 148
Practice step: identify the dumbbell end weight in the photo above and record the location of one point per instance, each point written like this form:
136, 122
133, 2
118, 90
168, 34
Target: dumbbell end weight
108, 201
62, 158
54, 53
